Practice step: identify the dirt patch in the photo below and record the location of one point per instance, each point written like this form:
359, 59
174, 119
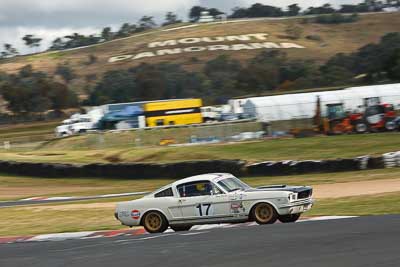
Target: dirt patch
356, 188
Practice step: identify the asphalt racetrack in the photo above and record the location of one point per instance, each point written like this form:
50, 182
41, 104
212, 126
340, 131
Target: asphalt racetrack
362, 241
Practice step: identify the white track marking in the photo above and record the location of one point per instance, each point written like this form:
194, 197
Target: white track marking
143, 238
195, 233
327, 218
60, 237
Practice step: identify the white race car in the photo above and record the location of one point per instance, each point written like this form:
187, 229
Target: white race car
214, 198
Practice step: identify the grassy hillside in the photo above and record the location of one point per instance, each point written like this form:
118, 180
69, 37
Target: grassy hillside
85, 149
28, 132
334, 39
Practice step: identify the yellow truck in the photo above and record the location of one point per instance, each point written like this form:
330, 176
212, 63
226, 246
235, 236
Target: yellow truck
173, 112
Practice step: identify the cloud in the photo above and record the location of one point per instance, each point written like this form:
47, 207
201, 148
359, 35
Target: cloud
13, 35
55, 18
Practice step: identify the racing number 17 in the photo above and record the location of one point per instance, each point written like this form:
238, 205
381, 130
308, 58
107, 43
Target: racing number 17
200, 207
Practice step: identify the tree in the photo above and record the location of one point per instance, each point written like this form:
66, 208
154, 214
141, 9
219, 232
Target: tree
126, 30
222, 73
107, 34
238, 12
57, 44
171, 18
33, 92
293, 10
78, 40
325, 9
115, 86
260, 10
214, 12
65, 72
10, 51
392, 66
146, 23
31, 41
195, 12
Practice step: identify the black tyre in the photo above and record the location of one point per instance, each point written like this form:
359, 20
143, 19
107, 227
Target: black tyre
264, 213
155, 222
180, 228
290, 218
390, 126
361, 127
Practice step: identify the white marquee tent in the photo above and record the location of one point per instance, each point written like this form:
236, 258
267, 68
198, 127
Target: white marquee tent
301, 106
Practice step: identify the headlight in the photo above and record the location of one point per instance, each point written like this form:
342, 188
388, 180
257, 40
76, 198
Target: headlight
292, 197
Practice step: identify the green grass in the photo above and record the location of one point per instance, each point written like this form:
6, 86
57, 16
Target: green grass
361, 205
12, 187
25, 133
87, 149
30, 221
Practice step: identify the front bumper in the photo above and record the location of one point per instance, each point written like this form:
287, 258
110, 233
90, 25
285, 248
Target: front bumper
296, 207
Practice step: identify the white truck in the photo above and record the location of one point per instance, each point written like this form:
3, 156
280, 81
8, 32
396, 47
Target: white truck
80, 123
211, 113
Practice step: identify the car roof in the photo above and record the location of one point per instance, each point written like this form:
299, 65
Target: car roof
202, 177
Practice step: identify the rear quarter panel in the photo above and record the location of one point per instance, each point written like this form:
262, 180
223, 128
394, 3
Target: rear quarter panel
130, 213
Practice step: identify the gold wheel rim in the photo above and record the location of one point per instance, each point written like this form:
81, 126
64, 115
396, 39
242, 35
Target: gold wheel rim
153, 221
264, 212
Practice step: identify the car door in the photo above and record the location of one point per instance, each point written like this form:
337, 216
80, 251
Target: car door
202, 200
195, 201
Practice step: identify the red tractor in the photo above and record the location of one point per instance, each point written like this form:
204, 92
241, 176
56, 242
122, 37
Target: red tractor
338, 121
380, 117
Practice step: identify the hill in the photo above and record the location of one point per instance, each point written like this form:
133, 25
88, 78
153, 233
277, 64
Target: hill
185, 44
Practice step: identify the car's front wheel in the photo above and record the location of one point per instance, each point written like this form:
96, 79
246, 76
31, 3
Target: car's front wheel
264, 213
180, 228
290, 218
155, 222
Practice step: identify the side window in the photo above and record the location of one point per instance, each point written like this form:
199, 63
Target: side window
216, 190
194, 189
165, 193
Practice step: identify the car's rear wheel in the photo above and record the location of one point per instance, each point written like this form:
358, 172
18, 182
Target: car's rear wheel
264, 213
155, 222
180, 228
290, 218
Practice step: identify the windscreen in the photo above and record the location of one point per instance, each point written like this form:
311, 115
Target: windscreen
232, 184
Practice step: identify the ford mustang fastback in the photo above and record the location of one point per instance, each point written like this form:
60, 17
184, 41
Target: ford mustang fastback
214, 198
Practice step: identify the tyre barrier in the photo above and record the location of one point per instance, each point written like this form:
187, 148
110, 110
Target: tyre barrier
277, 168
391, 159
126, 170
185, 169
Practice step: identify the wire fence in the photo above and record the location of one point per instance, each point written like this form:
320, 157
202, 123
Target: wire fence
177, 135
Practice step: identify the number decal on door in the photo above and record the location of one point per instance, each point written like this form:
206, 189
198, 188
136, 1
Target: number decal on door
204, 209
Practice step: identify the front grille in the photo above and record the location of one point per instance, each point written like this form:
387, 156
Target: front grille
304, 194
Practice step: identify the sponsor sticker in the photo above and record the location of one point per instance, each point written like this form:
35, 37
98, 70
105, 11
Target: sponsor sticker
135, 214
237, 207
